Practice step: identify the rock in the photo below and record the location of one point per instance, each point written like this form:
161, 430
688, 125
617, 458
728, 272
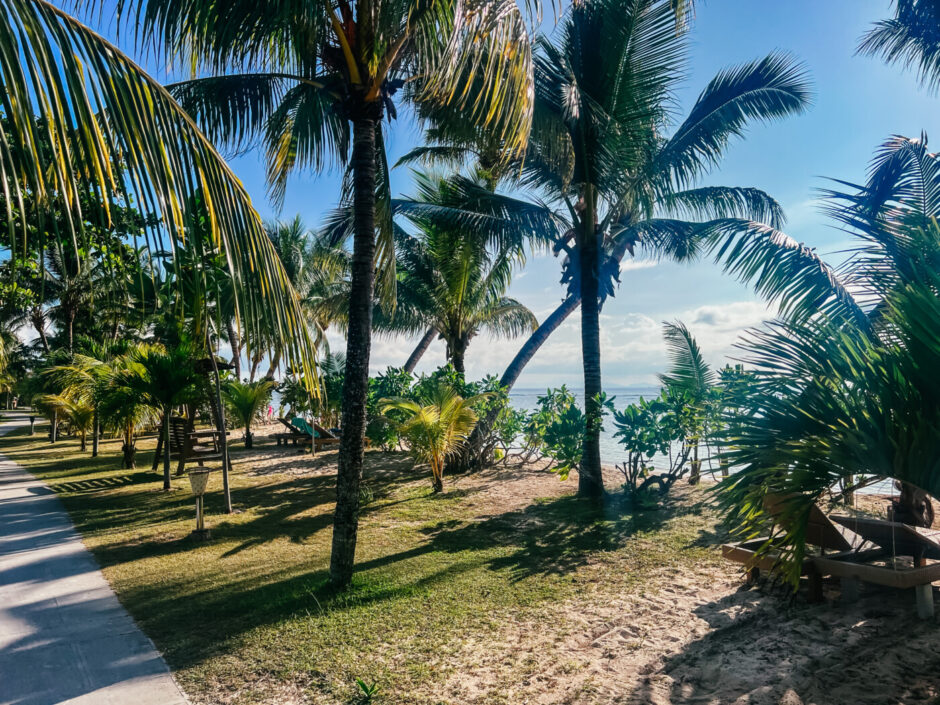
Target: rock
790, 698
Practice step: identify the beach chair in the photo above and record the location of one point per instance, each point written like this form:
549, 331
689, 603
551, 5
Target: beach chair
821, 533
894, 540
303, 434
292, 435
315, 433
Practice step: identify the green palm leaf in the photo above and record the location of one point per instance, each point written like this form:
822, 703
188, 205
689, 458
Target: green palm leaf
96, 109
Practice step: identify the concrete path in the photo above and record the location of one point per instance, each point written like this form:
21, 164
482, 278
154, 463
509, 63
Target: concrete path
64, 637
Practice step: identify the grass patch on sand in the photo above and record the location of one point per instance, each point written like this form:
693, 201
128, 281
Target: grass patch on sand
249, 617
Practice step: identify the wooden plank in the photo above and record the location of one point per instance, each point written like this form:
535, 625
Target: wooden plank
746, 554
820, 530
878, 575
895, 537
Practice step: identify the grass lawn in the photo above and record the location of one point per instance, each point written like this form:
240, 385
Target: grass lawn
250, 618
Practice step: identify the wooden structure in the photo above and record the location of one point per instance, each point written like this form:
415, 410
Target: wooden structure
187, 444
860, 550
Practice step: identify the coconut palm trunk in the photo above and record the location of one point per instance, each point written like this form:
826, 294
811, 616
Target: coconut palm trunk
419, 350
590, 477
95, 434
358, 346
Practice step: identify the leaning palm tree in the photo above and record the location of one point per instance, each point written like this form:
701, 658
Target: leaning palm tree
75, 106
435, 427
312, 82
246, 401
617, 185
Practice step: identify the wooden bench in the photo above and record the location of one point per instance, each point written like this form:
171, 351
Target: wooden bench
187, 444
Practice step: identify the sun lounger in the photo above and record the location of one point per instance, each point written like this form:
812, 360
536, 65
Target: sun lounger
302, 433
858, 543
821, 532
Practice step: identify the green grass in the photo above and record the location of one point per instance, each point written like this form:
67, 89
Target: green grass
250, 617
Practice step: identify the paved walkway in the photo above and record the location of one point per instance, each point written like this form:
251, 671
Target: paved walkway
64, 637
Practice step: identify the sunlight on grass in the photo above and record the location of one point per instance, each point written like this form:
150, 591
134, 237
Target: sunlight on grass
250, 614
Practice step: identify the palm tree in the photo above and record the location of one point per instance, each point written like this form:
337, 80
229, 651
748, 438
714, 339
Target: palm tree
844, 390
691, 377
106, 111
616, 185
312, 83
122, 407
81, 380
78, 413
911, 38
455, 287
435, 427
246, 401
162, 379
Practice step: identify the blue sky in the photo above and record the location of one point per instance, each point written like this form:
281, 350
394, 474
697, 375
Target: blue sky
858, 103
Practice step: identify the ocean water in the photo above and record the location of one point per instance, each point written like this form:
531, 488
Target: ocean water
611, 450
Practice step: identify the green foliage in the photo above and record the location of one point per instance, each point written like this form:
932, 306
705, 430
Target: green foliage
382, 427
557, 428
437, 421
246, 401
651, 428
368, 691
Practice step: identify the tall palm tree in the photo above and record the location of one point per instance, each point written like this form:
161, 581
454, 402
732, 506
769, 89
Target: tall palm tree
453, 283
312, 82
616, 184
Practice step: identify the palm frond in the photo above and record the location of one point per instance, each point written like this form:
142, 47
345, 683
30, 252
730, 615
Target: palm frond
767, 89
688, 371
97, 109
911, 38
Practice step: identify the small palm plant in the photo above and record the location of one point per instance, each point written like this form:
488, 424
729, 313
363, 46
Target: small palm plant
245, 401
122, 408
435, 427
162, 379
79, 414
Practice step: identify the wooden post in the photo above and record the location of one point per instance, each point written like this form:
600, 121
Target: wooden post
850, 590
815, 587
924, 595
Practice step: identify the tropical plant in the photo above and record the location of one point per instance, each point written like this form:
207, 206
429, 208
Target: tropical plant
849, 395
162, 378
435, 426
78, 414
691, 377
312, 83
382, 430
73, 100
614, 182
246, 401
121, 406
910, 38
